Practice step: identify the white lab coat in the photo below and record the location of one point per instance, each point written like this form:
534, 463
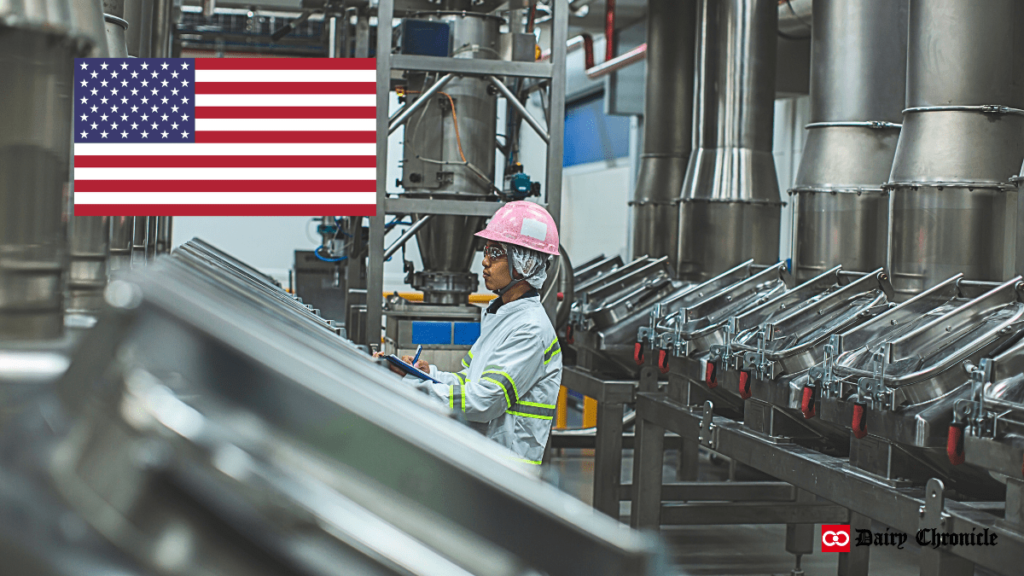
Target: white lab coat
510, 379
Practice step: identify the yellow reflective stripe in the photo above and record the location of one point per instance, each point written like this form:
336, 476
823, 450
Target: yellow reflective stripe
499, 371
538, 405
451, 397
461, 377
552, 349
463, 395
503, 389
537, 416
550, 345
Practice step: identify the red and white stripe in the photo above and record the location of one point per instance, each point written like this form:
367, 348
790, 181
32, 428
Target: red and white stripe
273, 137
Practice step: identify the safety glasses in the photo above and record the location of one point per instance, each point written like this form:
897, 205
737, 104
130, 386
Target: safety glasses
494, 252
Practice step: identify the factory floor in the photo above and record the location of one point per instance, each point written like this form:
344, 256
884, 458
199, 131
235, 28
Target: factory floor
747, 550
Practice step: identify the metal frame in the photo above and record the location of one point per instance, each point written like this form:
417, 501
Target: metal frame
386, 62
828, 477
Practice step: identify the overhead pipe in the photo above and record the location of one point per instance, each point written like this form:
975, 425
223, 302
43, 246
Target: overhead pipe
729, 205
841, 214
668, 127
794, 23
951, 208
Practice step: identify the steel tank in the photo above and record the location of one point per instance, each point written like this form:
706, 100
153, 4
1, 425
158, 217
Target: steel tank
38, 44
729, 206
668, 127
951, 207
858, 72
449, 153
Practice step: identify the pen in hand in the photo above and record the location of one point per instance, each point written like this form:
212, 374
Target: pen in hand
418, 350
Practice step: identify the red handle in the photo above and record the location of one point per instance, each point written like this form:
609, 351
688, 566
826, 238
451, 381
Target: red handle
711, 375
663, 361
744, 384
638, 353
860, 424
807, 402
955, 443
568, 335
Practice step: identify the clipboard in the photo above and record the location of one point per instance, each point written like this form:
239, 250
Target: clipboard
396, 361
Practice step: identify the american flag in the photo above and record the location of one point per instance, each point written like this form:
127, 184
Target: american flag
225, 137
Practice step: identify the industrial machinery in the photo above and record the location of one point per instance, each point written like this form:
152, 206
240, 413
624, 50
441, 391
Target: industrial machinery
776, 356
868, 390
452, 63
894, 381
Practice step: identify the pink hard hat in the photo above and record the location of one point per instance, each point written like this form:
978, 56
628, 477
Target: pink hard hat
525, 224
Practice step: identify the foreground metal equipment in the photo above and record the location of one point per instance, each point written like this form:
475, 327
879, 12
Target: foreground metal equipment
952, 210
266, 445
731, 191
841, 214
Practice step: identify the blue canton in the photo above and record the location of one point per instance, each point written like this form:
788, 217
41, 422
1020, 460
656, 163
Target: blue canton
135, 100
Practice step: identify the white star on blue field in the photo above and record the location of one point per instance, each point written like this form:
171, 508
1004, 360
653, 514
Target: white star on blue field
134, 100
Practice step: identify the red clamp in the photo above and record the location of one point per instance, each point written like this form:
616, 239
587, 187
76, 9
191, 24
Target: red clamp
711, 375
568, 335
744, 384
807, 401
860, 420
560, 296
955, 443
663, 361
638, 353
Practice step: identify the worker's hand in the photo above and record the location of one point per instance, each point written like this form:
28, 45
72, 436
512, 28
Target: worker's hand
393, 368
422, 365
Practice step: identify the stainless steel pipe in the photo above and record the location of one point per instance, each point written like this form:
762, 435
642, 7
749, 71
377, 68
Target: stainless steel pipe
89, 236
951, 207
858, 80
729, 209
35, 154
668, 127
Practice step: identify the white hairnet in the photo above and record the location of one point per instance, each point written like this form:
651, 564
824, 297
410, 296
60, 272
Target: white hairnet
530, 264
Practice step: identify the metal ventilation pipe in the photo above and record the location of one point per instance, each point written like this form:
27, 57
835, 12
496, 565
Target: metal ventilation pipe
38, 44
951, 207
89, 236
729, 208
139, 14
121, 227
668, 126
858, 67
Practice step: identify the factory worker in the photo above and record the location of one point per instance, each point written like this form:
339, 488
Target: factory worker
510, 378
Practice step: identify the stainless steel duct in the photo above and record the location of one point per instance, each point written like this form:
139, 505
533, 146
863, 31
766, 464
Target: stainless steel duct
38, 42
858, 72
161, 35
89, 236
668, 126
449, 153
729, 208
139, 14
951, 208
